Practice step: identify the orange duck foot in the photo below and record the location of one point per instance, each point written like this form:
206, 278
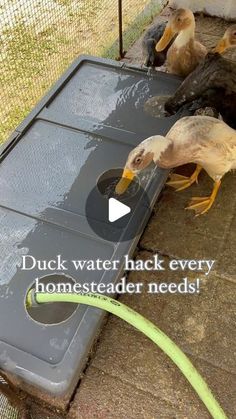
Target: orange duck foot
201, 205
179, 182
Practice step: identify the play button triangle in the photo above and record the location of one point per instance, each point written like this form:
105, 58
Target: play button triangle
117, 210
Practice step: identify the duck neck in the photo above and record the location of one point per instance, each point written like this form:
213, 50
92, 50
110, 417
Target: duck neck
185, 36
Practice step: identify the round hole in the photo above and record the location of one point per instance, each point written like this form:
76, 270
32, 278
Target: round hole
155, 106
107, 182
53, 313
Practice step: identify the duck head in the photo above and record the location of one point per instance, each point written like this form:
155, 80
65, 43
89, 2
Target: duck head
139, 158
182, 20
228, 40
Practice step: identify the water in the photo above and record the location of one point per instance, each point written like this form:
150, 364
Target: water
109, 190
118, 100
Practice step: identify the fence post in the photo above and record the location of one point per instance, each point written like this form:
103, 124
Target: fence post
121, 49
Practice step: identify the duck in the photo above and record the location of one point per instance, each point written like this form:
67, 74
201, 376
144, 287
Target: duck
185, 53
150, 39
214, 78
206, 141
228, 41
212, 84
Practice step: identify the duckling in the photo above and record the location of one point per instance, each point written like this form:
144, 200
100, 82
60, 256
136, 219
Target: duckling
212, 84
185, 53
228, 40
150, 39
206, 141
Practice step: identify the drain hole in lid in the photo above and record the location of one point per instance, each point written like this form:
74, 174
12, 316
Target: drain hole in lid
107, 182
53, 313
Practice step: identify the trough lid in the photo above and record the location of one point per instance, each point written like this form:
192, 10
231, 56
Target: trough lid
84, 127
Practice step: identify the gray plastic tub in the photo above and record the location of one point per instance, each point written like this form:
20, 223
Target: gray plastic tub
85, 126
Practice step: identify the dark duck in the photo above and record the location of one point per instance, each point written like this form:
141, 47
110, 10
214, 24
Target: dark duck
151, 37
211, 84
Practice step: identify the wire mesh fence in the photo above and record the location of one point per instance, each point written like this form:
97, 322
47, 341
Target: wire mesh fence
40, 38
7, 411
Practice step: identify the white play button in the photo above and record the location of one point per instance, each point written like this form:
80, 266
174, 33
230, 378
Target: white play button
117, 210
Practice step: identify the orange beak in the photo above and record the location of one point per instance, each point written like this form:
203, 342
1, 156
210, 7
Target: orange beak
167, 37
123, 184
221, 46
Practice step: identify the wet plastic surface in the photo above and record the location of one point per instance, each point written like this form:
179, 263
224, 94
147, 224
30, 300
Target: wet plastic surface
85, 126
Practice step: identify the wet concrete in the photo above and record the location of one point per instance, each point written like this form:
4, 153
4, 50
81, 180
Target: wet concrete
129, 377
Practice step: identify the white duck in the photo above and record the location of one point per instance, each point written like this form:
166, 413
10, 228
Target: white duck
206, 141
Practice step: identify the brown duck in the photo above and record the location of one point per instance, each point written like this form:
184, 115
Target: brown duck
212, 83
185, 53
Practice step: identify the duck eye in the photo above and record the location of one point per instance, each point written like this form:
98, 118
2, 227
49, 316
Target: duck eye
234, 33
138, 160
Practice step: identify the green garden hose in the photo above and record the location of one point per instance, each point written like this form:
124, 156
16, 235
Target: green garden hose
147, 328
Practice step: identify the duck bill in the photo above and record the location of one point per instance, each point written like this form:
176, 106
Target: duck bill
123, 184
221, 46
167, 37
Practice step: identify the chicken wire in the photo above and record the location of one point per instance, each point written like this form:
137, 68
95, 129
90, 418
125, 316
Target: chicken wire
40, 38
7, 411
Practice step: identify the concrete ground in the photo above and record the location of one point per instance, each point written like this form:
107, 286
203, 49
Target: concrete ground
129, 377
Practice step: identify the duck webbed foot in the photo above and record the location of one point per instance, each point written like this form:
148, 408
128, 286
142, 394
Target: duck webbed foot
202, 204
180, 182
